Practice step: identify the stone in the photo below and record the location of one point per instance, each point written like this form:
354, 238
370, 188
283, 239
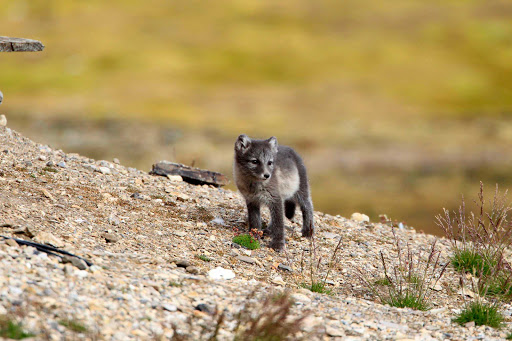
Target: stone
220, 273
175, 178
62, 164
469, 324
334, 332
194, 270
11, 243
79, 263
246, 259
204, 308
278, 280
182, 263
103, 170
284, 267
218, 221
169, 307
360, 217
3, 121
111, 237
48, 239
297, 297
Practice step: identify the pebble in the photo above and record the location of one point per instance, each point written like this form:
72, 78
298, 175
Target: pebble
104, 170
278, 280
334, 332
3, 121
284, 267
220, 273
79, 263
246, 259
111, 237
62, 164
204, 308
48, 239
360, 217
11, 242
169, 307
175, 178
183, 263
193, 270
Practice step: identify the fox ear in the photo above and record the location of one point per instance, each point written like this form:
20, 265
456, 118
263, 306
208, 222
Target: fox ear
242, 143
273, 143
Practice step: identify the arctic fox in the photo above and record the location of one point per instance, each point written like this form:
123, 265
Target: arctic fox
275, 176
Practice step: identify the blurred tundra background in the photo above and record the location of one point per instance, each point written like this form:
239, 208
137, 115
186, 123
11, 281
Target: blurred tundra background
397, 107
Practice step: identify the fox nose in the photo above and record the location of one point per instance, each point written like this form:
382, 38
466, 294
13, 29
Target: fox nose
266, 176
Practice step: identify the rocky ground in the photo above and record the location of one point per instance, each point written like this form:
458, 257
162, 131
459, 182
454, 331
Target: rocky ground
143, 234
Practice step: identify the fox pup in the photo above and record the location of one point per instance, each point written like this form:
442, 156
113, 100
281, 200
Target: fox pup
275, 176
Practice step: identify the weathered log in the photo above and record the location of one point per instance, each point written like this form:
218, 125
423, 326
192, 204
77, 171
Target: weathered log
191, 175
8, 44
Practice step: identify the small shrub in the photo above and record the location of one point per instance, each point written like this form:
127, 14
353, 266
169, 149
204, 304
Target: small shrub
268, 319
265, 317
409, 283
247, 241
50, 169
175, 284
317, 283
204, 258
478, 241
12, 330
482, 313
73, 325
509, 336
472, 262
382, 281
318, 287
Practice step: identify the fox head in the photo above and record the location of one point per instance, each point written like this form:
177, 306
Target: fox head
255, 158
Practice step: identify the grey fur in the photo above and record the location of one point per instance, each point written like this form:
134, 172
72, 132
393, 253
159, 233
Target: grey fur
275, 176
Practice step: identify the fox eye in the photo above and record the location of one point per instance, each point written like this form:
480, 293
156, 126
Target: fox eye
270, 163
254, 162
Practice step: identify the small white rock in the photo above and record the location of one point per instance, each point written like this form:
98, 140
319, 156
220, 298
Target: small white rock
360, 217
278, 280
3, 120
104, 170
175, 178
221, 274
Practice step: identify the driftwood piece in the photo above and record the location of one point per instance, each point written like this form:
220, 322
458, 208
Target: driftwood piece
191, 175
8, 44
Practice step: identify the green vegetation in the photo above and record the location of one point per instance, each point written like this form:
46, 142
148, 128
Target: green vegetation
478, 243
482, 313
318, 287
247, 241
204, 258
50, 169
382, 281
472, 262
73, 325
12, 330
413, 274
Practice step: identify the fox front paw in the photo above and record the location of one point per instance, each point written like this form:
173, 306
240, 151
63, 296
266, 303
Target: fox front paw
277, 245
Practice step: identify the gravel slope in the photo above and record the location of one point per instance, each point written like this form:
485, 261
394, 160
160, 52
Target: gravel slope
140, 230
